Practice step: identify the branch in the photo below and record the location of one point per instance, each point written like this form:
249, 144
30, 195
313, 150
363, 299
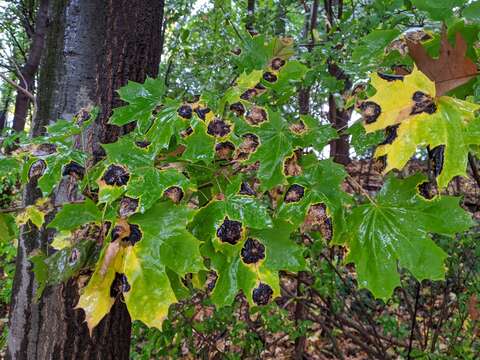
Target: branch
18, 87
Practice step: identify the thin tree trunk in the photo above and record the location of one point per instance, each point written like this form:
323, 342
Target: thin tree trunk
250, 15
94, 47
339, 148
4, 111
310, 25
29, 70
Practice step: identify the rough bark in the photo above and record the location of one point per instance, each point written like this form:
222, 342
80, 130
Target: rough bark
93, 48
29, 70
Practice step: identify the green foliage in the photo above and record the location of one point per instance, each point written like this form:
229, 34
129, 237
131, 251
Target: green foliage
232, 182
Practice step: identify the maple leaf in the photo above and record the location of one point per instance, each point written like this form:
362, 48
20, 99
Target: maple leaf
409, 109
395, 228
452, 68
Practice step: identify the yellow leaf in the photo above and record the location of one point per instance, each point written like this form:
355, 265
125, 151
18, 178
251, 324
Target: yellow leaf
95, 299
395, 98
62, 240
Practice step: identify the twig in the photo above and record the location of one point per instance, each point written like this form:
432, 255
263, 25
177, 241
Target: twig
18, 87
361, 189
414, 321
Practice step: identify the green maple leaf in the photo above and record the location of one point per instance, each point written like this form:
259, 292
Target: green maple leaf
321, 180
248, 210
166, 125
165, 244
395, 229
149, 184
278, 141
55, 163
200, 145
165, 252
72, 216
235, 275
142, 100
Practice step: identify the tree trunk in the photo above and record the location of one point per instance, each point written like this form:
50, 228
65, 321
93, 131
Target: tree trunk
4, 111
339, 148
93, 48
29, 70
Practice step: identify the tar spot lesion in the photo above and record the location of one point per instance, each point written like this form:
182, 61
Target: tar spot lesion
128, 207
218, 128
253, 251
185, 111
119, 285
74, 169
294, 193
390, 134
317, 219
423, 103
298, 128
237, 108
269, 77
230, 231
224, 150
246, 189
256, 116
262, 294
37, 169
437, 158
390, 77
291, 166
370, 111
277, 63
174, 193
248, 146
116, 175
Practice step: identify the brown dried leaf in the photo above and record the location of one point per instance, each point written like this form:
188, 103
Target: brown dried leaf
452, 68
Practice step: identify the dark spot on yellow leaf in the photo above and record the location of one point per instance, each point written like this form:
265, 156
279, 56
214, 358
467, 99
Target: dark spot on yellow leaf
390, 77
119, 285
370, 111
390, 134
423, 103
